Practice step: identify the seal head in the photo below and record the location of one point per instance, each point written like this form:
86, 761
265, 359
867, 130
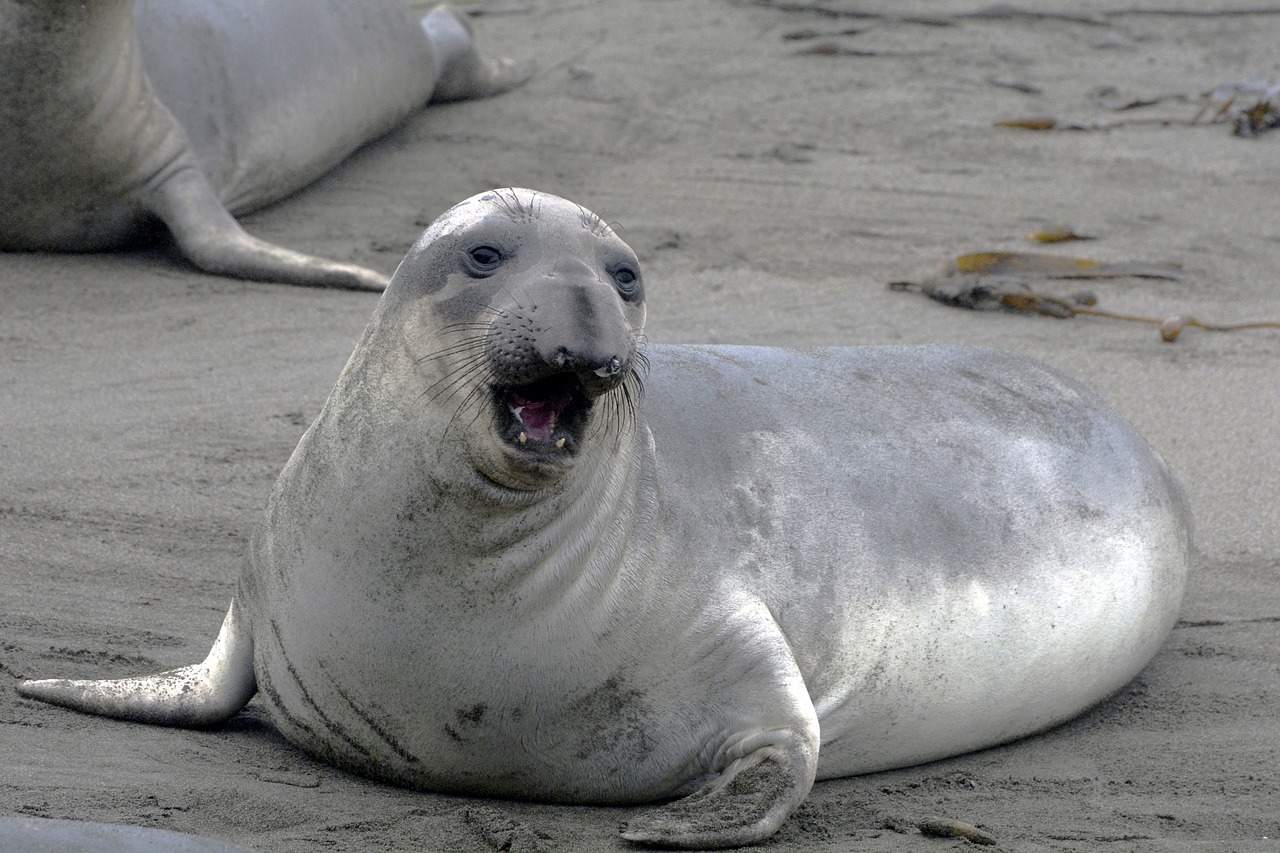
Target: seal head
552, 302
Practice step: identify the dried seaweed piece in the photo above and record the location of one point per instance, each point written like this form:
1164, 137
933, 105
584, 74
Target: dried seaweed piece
1002, 12
1257, 119
1029, 124
1016, 85
1057, 234
972, 294
1251, 106
830, 48
837, 11
976, 297
1227, 100
807, 35
943, 827
1005, 11
1092, 124
1171, 327
1034, 303
1058, 266
1013, 295
1139, 103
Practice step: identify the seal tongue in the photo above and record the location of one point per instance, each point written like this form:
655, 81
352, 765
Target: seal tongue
538, 417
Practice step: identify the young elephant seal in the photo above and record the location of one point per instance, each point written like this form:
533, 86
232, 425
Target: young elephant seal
493, 566
119, 114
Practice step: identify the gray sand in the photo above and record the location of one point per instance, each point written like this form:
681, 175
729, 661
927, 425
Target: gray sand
145, 408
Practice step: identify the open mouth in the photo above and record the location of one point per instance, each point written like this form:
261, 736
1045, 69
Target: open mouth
543, 417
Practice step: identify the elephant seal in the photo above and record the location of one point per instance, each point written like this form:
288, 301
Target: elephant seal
494, 566
49, 835
119, 115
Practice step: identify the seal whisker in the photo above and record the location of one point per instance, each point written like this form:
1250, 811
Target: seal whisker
462, 348
441, 388
514, 207
452, 425
447, 384
594, 224
465, 346
617, 410
471, 325
473, 394
515, 300
466, 330
641, 367
451, 383
459, 343
477, 390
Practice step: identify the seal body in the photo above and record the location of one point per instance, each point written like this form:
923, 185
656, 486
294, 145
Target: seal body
121, 114
495, 565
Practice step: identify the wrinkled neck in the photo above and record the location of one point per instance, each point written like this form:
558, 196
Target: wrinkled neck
401, 453
572, 542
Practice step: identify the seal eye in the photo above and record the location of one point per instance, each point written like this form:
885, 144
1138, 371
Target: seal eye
483, 259
626, 279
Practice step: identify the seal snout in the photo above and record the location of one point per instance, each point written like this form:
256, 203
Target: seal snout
610, 368
550, 413
597, 373
552, 357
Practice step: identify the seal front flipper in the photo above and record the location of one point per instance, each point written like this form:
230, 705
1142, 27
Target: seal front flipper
211, 238
763, 752
745, 804
202, 694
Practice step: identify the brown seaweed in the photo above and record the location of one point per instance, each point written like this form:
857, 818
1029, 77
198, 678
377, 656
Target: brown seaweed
943, 827
1016, 296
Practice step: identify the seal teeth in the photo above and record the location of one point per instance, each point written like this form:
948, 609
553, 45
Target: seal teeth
544, 416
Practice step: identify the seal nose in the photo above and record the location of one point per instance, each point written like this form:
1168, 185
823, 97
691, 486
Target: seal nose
566, 360
606, 368
582, 327
611, 368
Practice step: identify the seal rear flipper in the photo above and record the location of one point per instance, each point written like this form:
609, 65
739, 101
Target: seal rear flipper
461, 71
202, 694
745, 804
210, 238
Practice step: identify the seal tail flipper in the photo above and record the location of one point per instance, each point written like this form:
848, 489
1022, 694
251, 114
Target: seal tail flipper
461, 72
202, 694
744, 805
210, 238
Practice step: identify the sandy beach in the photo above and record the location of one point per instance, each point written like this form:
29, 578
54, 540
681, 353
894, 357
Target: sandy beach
775, 165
